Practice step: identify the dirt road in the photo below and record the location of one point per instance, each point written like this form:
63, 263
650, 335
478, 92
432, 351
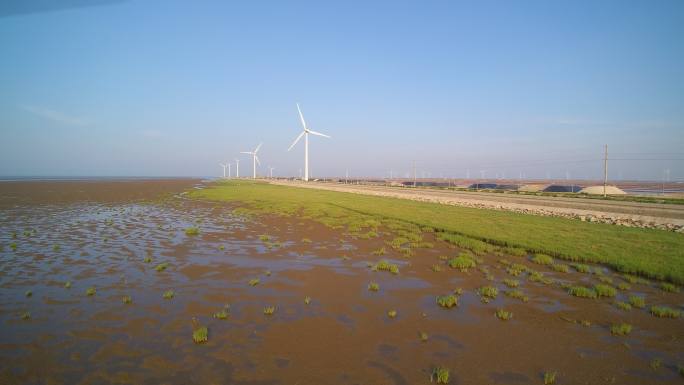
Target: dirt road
636, 214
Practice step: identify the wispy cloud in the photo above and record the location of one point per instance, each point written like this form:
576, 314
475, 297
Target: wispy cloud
56, 116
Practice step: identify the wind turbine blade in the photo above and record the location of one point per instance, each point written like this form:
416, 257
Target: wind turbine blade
318, 133
296, 140
257, 160
258, 147
301, 117
245, 152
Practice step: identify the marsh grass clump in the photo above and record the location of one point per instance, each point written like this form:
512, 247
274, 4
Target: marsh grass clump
373, 286
561, 268
147, 259
91, 291
254, 281
221, 247
436, 268
637, 301
126, 299
623, 305
28, 293
621, 329
13, 246
264, 238
581, 268
192, 231
582, 292
423, 336
463, 262
269, 310
168, 294
536, 276
440, 375
605, 279
516, 269
162, 266
487, 293
542, 259
307, 300
512, 283
656, 363
605, 290
447, 301
67, 285
668, 287
392, 313
549, 378
306, 240
665, 312
25, 315
386, 266
56, 248
624, 286
200, 334
517, 294
380, 251
223, 314
503, 314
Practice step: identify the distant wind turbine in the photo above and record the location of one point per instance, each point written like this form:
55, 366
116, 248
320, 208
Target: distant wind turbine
224, 169
255, 159
305, 134
237, 168
270, 169
229, 172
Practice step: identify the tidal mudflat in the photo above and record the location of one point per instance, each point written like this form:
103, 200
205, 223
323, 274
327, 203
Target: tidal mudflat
150, 284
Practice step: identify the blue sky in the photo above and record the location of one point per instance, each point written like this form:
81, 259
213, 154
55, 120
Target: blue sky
156, 88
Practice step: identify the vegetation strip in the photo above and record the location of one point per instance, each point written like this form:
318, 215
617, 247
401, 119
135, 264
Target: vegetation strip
647, 252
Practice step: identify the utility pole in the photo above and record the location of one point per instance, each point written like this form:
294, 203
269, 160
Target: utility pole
414, 173
605, 170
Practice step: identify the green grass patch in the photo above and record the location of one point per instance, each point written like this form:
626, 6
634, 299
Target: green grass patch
373, 286
561, 268
487, 293
503, 314
447, 301
162, 266
392, 313
621, 329
25, 315
423, 336
269, 310
440, 375
28, 293
200, 334
168, 294
623, 305
582, 292
380, 251
649, 252
127, 300
666, 286
307, 300
384, 265
605, 290
223, 314
516, 269
254, 281
665, 312
191, 231
542, 259
581, 268
637, 301
512, 283
549, 378
463, 262
67, 285
91, 291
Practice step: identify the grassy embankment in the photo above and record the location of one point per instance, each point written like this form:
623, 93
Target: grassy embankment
650, 253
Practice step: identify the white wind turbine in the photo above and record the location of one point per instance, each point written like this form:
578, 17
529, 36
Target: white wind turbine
224, 169
255, 158
237, 168
305, 134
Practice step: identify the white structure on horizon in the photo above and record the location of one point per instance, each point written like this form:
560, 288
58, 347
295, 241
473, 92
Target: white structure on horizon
270, 171
237, 168
229, 173
305, 134
255, 159
224, 169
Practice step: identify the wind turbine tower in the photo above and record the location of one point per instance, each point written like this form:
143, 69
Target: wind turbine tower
224, 169
255, 159
305, 134
237, 168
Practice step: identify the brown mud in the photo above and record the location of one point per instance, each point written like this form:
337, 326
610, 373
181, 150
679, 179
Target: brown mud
343, 336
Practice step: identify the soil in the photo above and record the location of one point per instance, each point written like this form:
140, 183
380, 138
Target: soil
343, 336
